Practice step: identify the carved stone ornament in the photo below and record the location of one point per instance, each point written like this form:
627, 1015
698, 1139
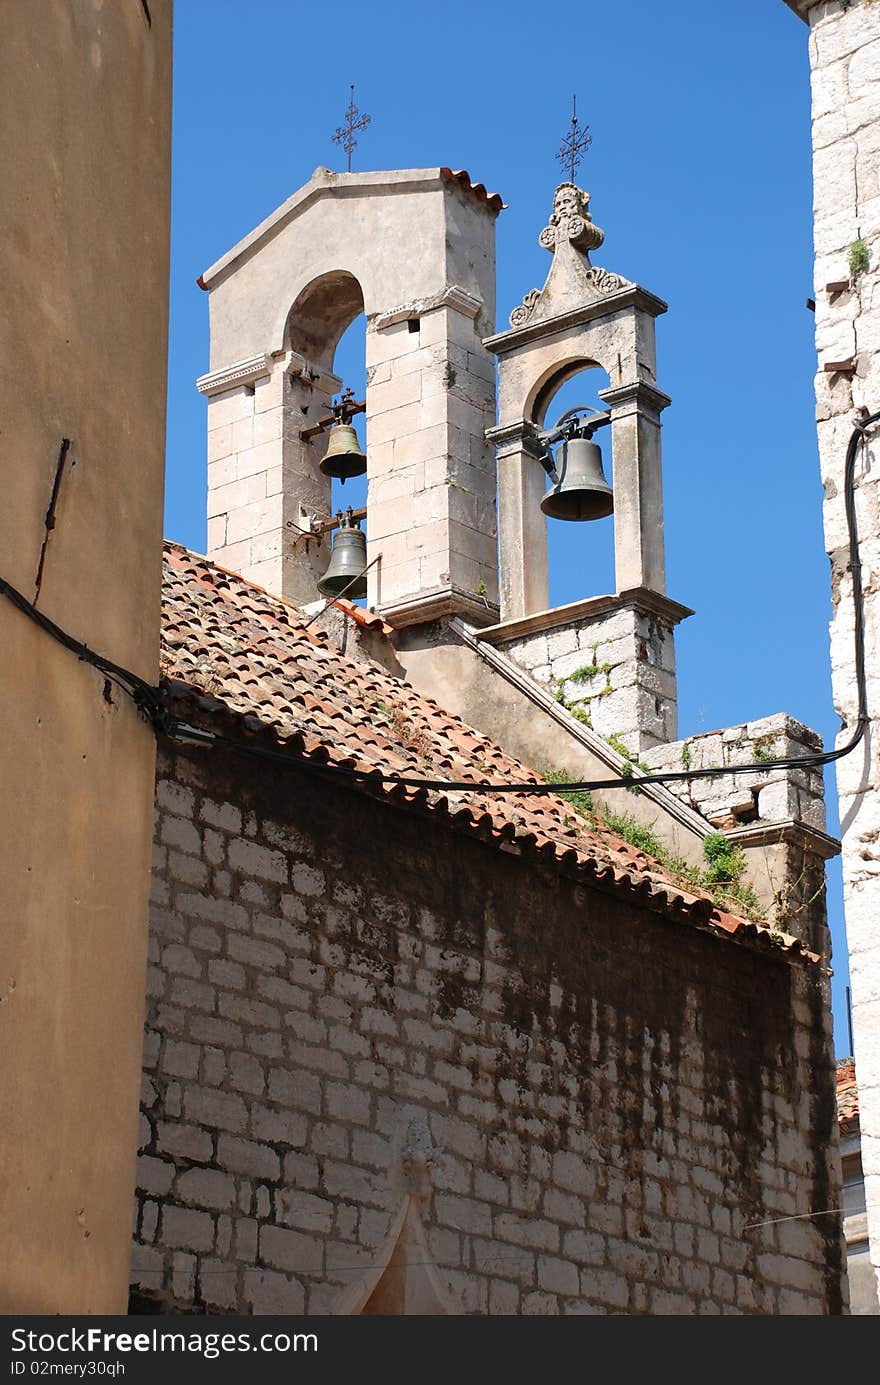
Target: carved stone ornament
570, 228
570, 220
419, 1159
606, 282
523, 312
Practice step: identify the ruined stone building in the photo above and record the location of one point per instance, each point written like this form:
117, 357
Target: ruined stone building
413, 1049
844, 53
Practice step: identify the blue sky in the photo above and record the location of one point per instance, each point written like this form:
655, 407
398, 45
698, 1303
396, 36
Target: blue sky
700, 177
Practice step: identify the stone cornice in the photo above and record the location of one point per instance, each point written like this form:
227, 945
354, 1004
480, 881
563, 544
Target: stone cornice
443, 602
640, 391
452, 296
788, 831
519, 436
632, 297
654, 603
232, 376
256, 367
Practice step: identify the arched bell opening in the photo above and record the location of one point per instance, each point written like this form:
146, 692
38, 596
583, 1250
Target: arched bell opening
327, 327
321, 314
580, 554
349, 363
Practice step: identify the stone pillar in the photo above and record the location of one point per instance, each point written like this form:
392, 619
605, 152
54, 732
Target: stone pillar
639, 559
431, 500
263, 476
522, 527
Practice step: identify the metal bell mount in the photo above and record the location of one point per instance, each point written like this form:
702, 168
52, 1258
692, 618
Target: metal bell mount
346, 573
579, 490
344, 457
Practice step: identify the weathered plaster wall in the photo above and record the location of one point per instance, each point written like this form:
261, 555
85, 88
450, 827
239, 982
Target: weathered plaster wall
330, 973
845, 63
85, 103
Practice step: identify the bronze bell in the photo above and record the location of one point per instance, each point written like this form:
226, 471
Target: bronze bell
581, 492
345, 575
343, 457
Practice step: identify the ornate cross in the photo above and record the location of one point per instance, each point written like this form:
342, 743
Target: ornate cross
575, 144
345, 133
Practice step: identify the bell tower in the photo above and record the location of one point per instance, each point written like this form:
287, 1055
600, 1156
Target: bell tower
610, 658
415, 251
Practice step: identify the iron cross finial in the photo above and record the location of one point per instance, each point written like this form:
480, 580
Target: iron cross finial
575, 144
345, 133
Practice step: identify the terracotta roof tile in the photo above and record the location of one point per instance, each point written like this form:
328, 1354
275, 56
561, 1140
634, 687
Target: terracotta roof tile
493, 200
244, 661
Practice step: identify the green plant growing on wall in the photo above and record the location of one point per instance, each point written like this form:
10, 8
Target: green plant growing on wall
482, 589
725, 860
720, 878
578, 798
859, 258
686, 755
637, 834
764, 748
626, 769
588, 671
575, 709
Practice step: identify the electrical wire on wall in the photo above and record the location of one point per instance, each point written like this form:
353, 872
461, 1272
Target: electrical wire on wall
152, 704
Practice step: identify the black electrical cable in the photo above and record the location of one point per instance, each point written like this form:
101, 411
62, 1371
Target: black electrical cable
148, 699
151, 701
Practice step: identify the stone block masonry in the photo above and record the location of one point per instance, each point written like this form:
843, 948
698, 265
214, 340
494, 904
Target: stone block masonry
768, 795
845, 74
611, 663
776, 816
328, 971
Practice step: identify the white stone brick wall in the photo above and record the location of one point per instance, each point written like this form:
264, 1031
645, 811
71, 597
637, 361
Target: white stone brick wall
431, 501
631, 697
771, 795
326, 970
260, 472
845, 69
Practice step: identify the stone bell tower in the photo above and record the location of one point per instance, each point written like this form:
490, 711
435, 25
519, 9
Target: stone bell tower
619, 645
415, 251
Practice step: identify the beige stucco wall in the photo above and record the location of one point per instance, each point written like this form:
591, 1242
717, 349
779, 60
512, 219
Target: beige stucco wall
85, 100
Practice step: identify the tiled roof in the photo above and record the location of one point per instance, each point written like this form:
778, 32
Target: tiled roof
493, 200
242, 661
847, 1097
